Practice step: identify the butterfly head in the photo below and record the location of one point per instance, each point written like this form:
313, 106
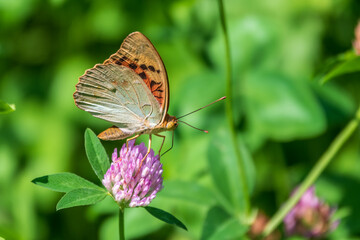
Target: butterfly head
171, 122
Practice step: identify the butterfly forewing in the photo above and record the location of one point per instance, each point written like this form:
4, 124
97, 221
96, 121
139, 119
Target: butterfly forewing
119, 95
138, 54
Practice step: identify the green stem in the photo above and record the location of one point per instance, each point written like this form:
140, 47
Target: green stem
314, 173
121, 223
229, 110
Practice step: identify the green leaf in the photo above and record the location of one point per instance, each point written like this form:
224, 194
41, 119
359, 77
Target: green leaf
250, 170
215, 217
350, 66
81, 197
6, 108
230, 229
189, 191
280, 108
224, 170
165, 217
221, 159
64, 182
96, 154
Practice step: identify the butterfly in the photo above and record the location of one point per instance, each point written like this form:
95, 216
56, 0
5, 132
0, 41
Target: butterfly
129, 90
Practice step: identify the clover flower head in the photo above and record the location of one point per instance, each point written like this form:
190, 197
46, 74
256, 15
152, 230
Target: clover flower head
310, 217
130, 182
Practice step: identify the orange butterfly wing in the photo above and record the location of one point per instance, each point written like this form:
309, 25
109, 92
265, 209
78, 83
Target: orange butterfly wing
139, 54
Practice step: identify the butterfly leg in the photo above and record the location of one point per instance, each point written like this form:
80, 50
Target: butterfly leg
129, 139
172, 144
148, 151
162, 144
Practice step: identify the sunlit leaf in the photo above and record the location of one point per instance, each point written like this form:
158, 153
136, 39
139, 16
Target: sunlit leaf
64, 182
96, 154
6, 108
165, 217
81, 197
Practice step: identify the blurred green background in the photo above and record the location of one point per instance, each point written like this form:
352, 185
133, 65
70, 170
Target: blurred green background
286, 117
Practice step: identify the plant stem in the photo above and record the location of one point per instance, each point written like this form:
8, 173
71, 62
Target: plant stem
121, 223
314, 173
229, 111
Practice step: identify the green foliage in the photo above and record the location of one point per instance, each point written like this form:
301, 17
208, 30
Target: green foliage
6, 108
133, 218
189, 191
276, 48
81, 197
350, 65
79, 191
214, 218
165, 217
230, 229
96, 154
222, 159
282, 108
64, 182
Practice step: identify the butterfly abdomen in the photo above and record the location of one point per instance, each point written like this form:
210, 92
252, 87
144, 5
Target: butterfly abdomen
113, 133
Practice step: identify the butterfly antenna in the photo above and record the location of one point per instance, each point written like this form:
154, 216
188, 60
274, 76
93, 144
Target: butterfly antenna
222, 98
205, 131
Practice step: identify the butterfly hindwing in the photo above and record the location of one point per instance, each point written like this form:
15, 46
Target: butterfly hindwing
138, 54
117, 94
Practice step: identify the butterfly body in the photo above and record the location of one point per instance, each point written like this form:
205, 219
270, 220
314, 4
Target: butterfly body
115, 133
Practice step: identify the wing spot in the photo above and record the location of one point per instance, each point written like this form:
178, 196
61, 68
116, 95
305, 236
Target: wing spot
143, 67
151, 68
152, 83
123, 58
158, 71
133, 66
142, 75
